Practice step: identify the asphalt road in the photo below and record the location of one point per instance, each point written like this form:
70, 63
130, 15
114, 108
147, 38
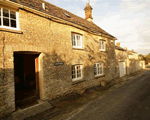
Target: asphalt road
129, 102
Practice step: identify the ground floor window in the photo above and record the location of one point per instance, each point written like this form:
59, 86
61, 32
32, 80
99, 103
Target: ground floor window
76, 72
98, 69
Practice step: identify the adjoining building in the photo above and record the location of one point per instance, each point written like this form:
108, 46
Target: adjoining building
121, 56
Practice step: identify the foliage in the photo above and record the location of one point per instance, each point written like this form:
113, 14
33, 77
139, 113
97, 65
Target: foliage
147, 58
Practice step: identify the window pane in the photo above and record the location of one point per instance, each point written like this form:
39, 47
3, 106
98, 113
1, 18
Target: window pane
5, 13
78, 75
78, 40
12, 15
73, 76
73, 71
73, 68
100, 70
5, 22
13, 23
73, 40
94, 69
100, 44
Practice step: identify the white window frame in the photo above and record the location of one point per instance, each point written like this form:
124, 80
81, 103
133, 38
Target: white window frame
76, 71
102, 42
97, 67
9, 27
74, 39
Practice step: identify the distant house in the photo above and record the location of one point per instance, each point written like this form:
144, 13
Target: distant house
121, 56
134, 62
48, 52
132, 55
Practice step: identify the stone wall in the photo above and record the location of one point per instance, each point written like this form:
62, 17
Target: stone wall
134, 65
53, 40
121, 55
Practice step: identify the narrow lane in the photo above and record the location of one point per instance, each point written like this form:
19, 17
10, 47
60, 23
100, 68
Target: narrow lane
130, 102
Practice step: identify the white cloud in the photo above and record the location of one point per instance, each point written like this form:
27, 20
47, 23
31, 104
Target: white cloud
130, 24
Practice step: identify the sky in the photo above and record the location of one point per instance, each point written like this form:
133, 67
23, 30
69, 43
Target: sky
127, 20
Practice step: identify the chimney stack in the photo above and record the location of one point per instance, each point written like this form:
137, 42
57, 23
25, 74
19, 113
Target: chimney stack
43, 4
118, 44
88, 12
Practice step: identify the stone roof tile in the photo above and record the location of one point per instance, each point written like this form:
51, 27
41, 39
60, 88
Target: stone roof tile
59, 12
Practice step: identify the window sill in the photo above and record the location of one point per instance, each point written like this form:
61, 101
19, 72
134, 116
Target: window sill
99, 76
78, 48
77, 81
12, 31
103, 50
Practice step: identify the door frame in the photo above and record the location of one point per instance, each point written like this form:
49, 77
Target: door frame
37, 65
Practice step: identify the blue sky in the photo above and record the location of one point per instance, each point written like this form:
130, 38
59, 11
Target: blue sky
128, 20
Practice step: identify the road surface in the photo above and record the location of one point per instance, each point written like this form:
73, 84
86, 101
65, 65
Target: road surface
129, 102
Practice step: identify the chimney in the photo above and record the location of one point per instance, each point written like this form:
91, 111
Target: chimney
88, 12
118, 44
43, 4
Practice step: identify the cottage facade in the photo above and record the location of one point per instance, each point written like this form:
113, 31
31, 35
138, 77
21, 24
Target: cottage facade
132, 55
47, 52
121, 56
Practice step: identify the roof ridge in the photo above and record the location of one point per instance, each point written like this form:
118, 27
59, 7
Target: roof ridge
66, 10
57, 11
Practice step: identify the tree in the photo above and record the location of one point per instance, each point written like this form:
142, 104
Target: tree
147, 59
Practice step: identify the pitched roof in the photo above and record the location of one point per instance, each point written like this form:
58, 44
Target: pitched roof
132, 52
119, 48
60, 13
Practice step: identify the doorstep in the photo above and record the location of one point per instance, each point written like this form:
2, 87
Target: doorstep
21, 114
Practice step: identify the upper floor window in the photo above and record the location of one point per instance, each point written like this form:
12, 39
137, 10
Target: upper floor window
76, 40
76, 72
102, 45
98, 69
8, 19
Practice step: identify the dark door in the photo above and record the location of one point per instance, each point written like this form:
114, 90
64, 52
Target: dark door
26, 78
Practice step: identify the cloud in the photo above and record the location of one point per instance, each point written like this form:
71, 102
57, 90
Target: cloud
129, 23
132, 6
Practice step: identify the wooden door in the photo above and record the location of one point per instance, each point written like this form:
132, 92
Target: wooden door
37, 76
122, 69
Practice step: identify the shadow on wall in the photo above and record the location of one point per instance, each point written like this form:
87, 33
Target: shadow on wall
6, 88
58, 78
121, 55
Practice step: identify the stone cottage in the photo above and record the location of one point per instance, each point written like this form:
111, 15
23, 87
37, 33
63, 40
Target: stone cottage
121, 56
132, 55
47, 52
